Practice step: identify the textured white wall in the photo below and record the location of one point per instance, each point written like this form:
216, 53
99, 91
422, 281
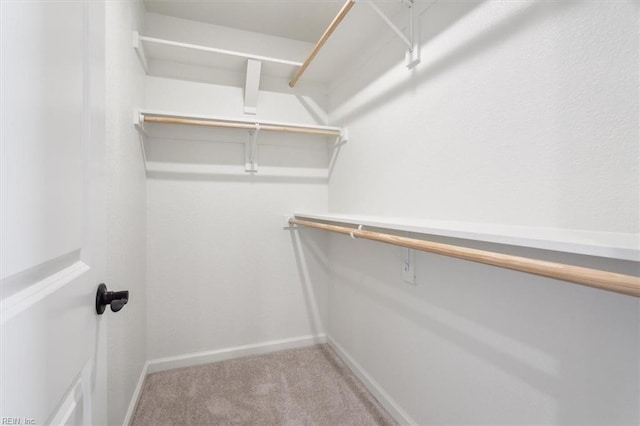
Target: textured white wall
472, 344
521, 113
221, 271
126, 208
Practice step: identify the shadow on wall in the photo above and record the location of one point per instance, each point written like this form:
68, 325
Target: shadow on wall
313, 108
311, 260
434, 21
568, 344
384, 54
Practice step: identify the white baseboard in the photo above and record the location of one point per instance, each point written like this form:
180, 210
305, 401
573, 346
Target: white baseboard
136, 395
383, 397
207, 357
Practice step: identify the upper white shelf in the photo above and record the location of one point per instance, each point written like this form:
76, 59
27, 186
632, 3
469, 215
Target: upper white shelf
625, 246
148, 48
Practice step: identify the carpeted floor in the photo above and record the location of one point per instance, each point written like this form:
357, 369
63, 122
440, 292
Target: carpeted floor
308, 386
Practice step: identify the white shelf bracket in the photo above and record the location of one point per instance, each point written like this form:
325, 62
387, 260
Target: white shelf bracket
139, 48
285, 221
412, 56
251, 151
339, 141
138, 123
344, 136
251, 86
408, 266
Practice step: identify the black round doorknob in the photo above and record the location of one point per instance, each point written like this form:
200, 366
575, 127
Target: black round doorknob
117, 299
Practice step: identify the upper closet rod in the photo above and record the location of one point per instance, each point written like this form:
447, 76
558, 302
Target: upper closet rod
618, 283
241, 125
334, 24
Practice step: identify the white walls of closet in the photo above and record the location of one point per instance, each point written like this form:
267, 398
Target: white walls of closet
522, 113
126, 208
221, 272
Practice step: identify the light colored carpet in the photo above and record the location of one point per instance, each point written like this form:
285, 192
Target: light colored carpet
307, 386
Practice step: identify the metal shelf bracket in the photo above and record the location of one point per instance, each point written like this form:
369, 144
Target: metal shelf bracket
138, 123
139, 48
412, 56
251, 151
408, 269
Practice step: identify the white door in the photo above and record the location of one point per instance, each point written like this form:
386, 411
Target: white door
52, 212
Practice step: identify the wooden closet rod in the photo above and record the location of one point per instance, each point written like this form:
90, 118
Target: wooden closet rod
330, 29
618, 283
241, 125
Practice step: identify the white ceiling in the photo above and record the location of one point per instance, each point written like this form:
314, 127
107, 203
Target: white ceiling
303, 20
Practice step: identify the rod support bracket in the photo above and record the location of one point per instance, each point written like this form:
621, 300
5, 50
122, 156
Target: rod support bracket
344, 136
138, 121
286, 221
359, 229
